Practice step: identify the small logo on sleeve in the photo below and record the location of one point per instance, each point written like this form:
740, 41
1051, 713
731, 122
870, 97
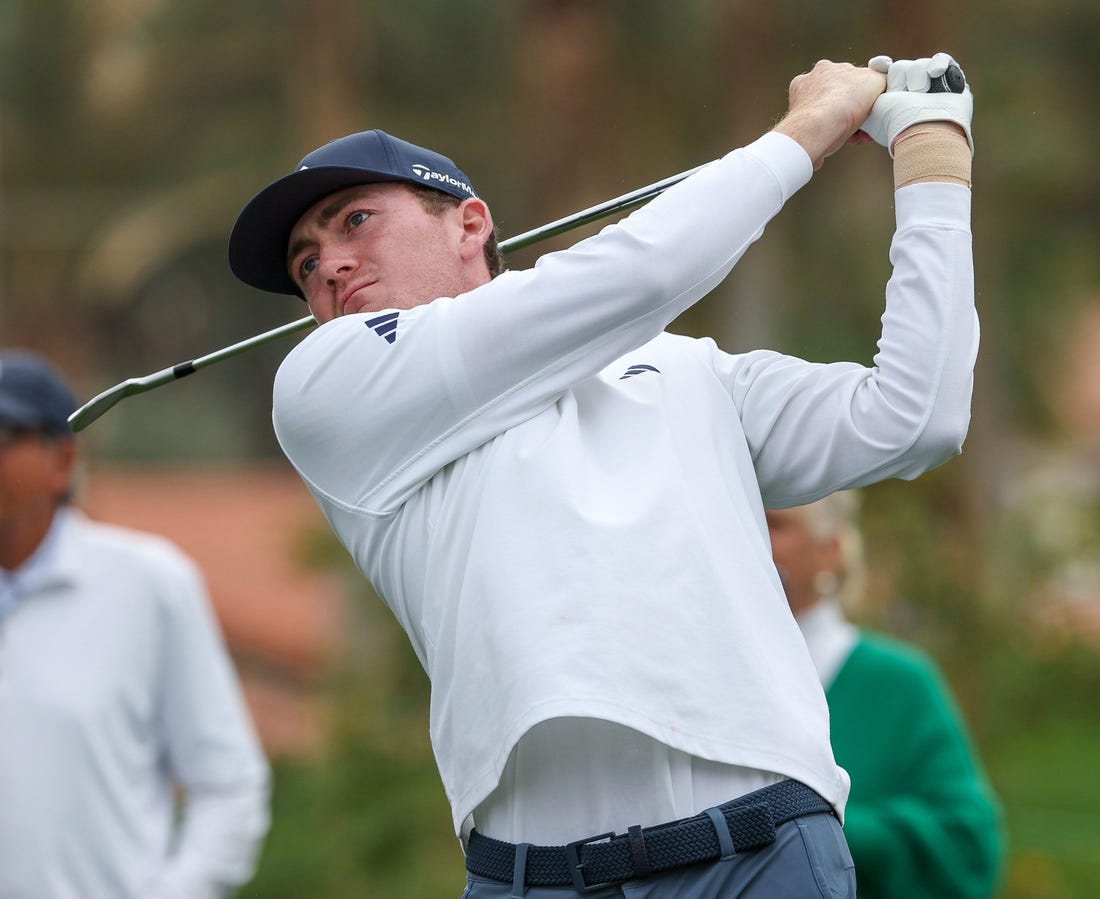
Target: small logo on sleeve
638, 370
385, 326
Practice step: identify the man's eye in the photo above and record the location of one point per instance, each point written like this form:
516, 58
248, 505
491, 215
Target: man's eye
357, 218
308, 265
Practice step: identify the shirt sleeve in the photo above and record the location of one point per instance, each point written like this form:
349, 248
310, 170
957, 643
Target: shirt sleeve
816, 428
211, 750
369, 406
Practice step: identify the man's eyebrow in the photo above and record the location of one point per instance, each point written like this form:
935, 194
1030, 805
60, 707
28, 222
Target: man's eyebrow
324, 218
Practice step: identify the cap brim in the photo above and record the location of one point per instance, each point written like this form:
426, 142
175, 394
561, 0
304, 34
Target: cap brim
258, 242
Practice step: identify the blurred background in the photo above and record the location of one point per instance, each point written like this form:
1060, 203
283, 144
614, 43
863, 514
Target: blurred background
132, 131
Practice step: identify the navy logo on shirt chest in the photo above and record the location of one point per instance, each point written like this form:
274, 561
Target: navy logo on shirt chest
385, 326
638, 369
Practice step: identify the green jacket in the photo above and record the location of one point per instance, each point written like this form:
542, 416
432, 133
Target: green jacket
922, 820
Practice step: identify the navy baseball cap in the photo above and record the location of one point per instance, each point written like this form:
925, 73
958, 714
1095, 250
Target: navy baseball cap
258, 243
32, 394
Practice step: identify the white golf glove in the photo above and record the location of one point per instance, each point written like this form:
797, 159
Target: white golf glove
907, 101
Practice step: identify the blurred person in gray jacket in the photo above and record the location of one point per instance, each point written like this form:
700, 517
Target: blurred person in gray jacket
117, 696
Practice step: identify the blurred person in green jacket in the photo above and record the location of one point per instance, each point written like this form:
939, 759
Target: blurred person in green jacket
922, 819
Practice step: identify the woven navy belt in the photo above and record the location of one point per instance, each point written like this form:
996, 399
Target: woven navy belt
606, 858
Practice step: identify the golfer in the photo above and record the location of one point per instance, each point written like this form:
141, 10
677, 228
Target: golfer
563, 505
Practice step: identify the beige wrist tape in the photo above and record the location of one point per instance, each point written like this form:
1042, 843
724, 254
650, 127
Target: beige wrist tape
931, 154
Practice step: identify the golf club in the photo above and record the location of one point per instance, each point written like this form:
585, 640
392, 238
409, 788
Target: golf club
952, 81
99, 404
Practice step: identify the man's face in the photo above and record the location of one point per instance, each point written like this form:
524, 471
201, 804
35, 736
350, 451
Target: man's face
375, 246
799, 555
35, 472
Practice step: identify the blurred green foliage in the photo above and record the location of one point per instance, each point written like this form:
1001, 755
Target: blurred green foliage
368, 818
132, 131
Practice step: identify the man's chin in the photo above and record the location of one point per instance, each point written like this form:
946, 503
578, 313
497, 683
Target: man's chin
354, 308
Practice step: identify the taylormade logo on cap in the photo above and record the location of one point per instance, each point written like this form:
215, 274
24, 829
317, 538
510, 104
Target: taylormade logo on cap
427, 174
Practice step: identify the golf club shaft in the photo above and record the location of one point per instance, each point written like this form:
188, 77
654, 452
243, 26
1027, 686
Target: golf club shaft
99, 404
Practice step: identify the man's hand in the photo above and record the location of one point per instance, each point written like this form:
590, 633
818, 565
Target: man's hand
907, 102
828, 104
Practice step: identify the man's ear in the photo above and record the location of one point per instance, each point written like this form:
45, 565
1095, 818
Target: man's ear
63, 464
831, 553
477, 225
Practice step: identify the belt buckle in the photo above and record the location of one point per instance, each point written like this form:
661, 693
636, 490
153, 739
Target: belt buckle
576, 866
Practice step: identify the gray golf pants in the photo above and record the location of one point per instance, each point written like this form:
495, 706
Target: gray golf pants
808, 860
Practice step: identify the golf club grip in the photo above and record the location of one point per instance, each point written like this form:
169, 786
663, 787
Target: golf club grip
950, 82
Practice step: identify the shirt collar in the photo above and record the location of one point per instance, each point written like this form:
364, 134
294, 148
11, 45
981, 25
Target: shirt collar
829, 636
46, 566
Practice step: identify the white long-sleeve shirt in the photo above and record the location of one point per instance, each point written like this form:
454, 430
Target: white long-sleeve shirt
563, 505
115, 689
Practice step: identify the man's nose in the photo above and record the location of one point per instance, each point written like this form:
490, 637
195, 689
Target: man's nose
336, 264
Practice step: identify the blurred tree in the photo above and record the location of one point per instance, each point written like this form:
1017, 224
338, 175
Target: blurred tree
369, 817
567, 88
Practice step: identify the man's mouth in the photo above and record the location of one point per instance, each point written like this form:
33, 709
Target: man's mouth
352, 298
